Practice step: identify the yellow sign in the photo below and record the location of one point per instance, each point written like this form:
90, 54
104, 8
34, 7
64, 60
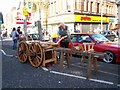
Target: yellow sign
85, 18
25, 11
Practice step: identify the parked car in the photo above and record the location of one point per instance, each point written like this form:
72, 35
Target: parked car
35, 36
101, 44
109, 35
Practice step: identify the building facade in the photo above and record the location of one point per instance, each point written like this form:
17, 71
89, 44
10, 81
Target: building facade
118, 10
84, 15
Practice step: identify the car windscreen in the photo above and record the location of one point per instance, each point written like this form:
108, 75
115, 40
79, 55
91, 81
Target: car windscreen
34, 36
80, 38
99, 37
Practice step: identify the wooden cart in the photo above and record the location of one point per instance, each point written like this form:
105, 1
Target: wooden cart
37, 52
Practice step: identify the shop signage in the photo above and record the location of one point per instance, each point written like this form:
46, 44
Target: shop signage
20, 18
85, 18
25, 11
111, 20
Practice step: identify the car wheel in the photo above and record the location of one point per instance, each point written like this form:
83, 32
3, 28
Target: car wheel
109, 57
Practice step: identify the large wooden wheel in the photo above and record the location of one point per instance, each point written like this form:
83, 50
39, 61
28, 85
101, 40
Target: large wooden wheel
35, 54
22, 51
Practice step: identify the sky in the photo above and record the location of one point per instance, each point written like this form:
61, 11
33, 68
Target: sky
5, 5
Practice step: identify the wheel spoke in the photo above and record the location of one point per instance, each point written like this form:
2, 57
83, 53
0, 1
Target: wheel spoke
39, 58
21, 57
24, 57
36, 61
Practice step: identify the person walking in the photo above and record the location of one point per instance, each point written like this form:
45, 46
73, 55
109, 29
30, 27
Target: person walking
14, 35
18, 29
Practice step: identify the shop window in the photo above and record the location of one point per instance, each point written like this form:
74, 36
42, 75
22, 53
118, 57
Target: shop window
68, 4
87, 6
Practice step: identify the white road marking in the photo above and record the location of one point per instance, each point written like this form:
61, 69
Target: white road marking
102, 81
16, 56
70, 75
5, 53
45, 69
118, 85
80, 77
10, 55
98, 70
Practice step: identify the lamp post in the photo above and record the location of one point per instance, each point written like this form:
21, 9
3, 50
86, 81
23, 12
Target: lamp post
39, 22
41, 5
25, 21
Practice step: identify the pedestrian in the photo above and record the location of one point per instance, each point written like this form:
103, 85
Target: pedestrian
14, 35
62, 31
0, 34
54, 37
18, 29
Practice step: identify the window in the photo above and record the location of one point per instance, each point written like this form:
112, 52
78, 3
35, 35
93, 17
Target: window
68, 3
87, 6
81, 38
82, 6
98, 7
91, 6
73, 38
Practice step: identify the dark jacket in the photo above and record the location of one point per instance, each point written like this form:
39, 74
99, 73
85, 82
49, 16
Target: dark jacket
63, 32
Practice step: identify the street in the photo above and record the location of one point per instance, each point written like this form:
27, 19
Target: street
18, 75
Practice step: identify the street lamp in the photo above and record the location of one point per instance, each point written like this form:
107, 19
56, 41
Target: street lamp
25, 22
39, 22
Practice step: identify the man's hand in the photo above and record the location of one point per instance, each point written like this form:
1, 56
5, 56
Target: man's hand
61, 39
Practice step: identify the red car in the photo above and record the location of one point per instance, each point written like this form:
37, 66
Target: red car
101, 44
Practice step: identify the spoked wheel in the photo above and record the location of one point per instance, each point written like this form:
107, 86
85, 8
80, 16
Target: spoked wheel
35, 54
22, 51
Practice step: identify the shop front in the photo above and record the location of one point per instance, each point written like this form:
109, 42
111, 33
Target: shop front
90, 23
83, 23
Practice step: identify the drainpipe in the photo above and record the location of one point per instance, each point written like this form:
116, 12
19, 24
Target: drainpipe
102, 15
